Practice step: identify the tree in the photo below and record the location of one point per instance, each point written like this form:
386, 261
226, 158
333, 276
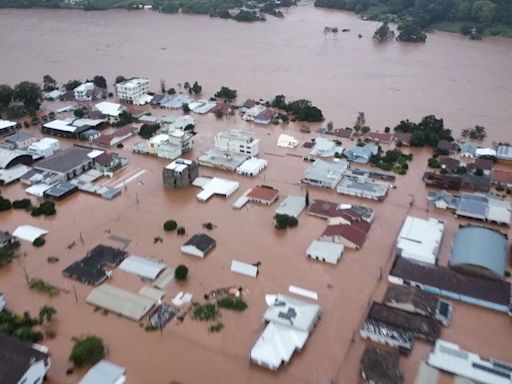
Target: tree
163, 88
6, 94
383, 33
196, 88
87, 351
360, 124
100, 81
181, 272
46, 314
29, 94
148, 130
483, 11
119, 79
226, 93
79, 112
72, 84
170, 225
5, 204
49, 83
171, 91
185, 108
410, 32
39, 242
180, 231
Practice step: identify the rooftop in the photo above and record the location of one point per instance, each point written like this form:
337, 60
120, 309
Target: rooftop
201, 241
411, 297
65, 160
325, 173
104, 372
420, 239
263, 193
380, 366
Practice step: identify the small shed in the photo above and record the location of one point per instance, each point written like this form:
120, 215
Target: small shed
199, 245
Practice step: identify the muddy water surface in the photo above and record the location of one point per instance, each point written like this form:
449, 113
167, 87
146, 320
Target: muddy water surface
463, 81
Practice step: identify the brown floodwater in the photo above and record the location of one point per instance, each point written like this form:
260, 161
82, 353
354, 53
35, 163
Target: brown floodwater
465, 82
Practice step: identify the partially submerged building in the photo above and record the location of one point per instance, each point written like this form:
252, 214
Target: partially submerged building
263, 194
142, 266
325, 251
450, 357
290, 322
330, 210
420, 240
117, 136
504, 153
20, 140
22, 362
92, 269
66, 164
363, 189
45, 147
352, 235
252, 166
180, 173
326, 147
199, 245
292, 205
379, 366
325, 174
121, 302
134, 91
362, 154
480, 251
7, 126
214, 186
71, 128
442, 281
104, 372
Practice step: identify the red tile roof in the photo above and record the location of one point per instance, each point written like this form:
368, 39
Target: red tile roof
381, 137
105, 139
263, 193
351, 232
499, 176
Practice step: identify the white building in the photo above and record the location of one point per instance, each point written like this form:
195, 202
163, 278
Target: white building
449, 357
420, 239
133, 91
214, 186
326, 251
238, 141
252, 166
290, 322
104, 372
82, 92
109, 109
44, 147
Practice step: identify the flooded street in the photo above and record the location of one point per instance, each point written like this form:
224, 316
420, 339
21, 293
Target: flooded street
465, 82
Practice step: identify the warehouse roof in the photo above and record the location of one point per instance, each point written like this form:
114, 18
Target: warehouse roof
480, 248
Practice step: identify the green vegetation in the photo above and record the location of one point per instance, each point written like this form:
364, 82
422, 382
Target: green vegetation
47, 208
39, 242
72, 84
21, 204
383, 33
52, 259
42, 286
217, 327
125, 118
5, 204
87, 351
170, 225
148, 130
25, 98
205, 312
428, 132
181, 272
46, 314
226, 93
209, 226
434, 163
180, 231
412, 33
20, 326
476, 133
234, 303
8, 253
471, 17
49, 83
393, 160
79, 112
100, 81
284, 221
300, 110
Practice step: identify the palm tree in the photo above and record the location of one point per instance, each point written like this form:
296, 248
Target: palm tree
46, 314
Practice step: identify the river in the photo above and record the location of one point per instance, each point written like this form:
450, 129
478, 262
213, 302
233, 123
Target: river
465, 82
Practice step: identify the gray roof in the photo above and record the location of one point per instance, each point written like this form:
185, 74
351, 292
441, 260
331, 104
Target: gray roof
65, 160
18, 136
472, 205
104, 372
292, 206
327, 173
468, 148
504, 152
481, 249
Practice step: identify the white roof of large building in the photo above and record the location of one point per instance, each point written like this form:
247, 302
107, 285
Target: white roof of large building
328, 173
420, 239
291, 312
237, 134
214, 186
29, 232
325, 250
104, 372
84, 87
120, 301
485, 152
292, 205
132, 83
61, 125
142, 266
244, 268
451, 358
287, 141
108, 108
7, 124
44, 143
179, 165
252, 166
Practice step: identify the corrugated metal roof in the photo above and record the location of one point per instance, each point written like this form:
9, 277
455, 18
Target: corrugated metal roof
480, 247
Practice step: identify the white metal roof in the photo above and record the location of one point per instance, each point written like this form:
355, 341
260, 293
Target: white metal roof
305, 312
120, 301
244, 268
420, 239
108, 108
60, 125
7, 124
142, 266
287, 141
217, 186
182, 298
293, 206
303, 292
252, 166
38, 189
29, 232
153, 293
104, 372
451, 358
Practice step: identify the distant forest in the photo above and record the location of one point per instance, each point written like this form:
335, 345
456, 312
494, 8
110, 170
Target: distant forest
249, 10
490, 17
